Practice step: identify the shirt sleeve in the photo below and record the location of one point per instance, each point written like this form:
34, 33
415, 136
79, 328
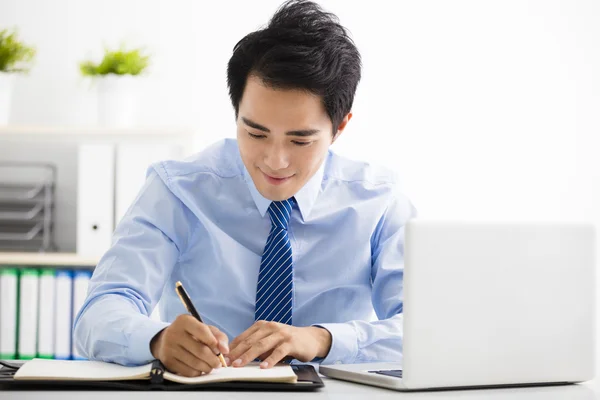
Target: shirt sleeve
377, 341
114, 323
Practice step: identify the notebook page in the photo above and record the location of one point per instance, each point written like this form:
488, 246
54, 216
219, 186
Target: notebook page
42, 369
279, 373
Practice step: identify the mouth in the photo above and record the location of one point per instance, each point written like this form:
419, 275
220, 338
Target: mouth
276, 180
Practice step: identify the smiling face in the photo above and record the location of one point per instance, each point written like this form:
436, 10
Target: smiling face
283, 137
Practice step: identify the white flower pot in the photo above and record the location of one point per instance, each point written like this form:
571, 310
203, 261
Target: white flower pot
6, 90
117, 101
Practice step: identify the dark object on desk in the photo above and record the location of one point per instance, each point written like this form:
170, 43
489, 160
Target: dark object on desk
308, 380
396, 373
10, 365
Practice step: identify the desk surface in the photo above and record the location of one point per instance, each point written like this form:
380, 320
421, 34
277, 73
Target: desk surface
336, 390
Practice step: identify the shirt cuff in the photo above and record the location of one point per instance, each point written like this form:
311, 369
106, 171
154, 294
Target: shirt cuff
139, 342
344, 344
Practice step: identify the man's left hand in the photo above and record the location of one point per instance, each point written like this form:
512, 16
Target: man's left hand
271, 342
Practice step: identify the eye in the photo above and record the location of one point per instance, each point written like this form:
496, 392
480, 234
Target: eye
301, 143
255, 136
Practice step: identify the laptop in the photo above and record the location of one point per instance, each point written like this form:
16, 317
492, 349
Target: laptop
491, 304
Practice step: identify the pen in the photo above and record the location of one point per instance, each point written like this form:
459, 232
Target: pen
187, 302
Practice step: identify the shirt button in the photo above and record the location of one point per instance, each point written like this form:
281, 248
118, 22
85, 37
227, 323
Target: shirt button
338, 362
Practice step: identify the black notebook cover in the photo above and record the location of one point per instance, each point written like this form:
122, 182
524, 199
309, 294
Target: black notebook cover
308, 380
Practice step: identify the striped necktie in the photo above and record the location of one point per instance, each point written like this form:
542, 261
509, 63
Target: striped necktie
274, 290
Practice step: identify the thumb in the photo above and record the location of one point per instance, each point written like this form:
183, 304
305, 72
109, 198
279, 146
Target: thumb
221, 338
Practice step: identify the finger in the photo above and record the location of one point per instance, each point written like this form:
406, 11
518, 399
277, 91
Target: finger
243, 339
201, 332
247, 343
192, 361
222, 338
245, 334
182, 369
264, 355
276, 356
200, 351
258, 347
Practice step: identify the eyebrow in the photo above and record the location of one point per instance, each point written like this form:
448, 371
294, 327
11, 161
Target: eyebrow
301, 132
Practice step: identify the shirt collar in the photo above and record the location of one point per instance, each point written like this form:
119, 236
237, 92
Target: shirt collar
305, 197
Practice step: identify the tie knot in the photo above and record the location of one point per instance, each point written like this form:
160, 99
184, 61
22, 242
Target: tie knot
280, 212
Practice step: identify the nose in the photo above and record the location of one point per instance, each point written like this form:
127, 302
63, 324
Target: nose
276, 158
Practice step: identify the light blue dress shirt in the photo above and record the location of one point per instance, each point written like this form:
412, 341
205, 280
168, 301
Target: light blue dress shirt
202, 221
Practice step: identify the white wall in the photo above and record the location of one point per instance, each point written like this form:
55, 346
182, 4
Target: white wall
487, 109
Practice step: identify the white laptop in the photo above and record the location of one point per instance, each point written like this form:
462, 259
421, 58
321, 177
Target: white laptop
491, 304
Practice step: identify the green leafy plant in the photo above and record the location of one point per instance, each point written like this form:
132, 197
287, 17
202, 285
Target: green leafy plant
119, 62
14, 55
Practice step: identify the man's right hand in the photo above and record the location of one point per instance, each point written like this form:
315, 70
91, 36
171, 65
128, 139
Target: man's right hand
188, 347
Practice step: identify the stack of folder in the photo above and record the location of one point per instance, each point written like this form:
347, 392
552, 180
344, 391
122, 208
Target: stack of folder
26, 206
37, 309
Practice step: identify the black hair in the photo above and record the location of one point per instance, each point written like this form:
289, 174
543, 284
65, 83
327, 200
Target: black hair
302, 47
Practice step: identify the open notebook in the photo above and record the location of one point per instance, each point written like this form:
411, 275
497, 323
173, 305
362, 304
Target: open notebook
42, 369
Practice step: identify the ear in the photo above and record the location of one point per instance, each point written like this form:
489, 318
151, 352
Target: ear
341, 127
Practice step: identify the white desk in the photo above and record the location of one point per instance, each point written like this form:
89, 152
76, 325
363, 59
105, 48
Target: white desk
334, 390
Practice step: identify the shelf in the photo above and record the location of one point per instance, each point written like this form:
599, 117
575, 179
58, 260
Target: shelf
21, 192
71, 260
19, 212
185, 138
21, 233
87, 131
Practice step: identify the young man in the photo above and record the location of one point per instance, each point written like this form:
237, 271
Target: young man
285, 248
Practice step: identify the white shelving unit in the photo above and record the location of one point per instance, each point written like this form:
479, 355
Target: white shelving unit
131, 152
70, 260
93, 134
132, 149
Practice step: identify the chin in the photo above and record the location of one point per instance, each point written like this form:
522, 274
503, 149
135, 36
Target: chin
276, 192
275, 195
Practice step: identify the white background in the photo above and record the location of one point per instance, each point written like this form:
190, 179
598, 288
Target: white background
486, 109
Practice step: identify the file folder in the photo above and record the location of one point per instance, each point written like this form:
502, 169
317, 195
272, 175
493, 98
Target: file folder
63, 314
95, 199
46, 320
28, 313
9, 281
81, 280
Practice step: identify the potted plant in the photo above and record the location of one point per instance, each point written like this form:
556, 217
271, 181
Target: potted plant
15, 57
116, 80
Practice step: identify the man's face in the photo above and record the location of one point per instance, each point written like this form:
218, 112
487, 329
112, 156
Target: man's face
283, 136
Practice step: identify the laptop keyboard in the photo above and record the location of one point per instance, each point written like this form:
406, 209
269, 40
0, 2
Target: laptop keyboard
396, 373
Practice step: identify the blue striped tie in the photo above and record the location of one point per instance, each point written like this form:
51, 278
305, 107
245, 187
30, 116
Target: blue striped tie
274, 290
